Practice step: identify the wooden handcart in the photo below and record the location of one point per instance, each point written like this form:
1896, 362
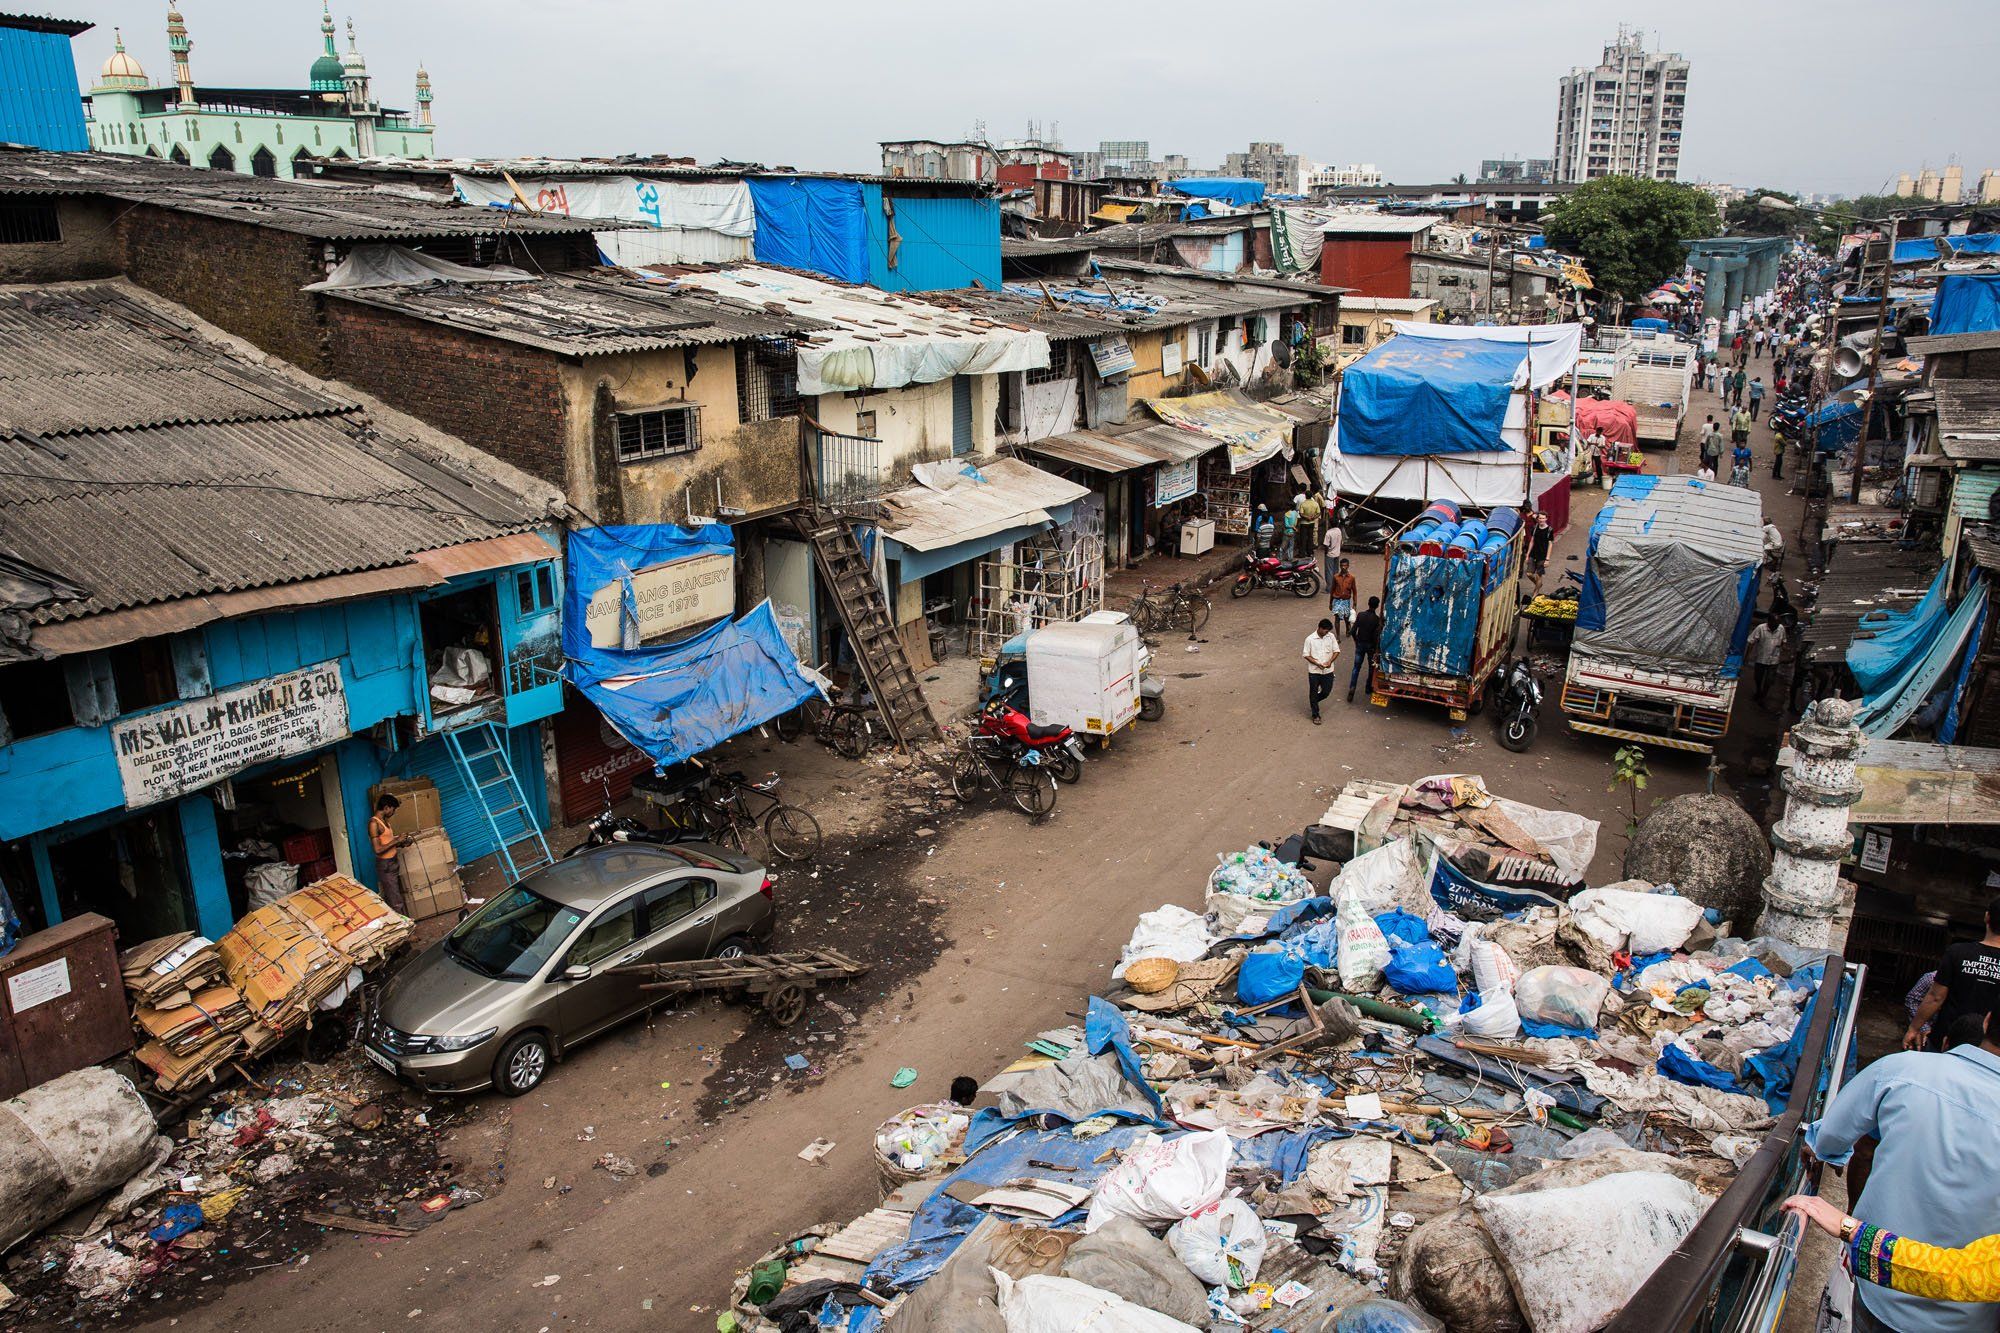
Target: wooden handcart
779, 982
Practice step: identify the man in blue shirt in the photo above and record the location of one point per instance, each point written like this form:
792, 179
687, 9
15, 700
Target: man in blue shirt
1937, 1118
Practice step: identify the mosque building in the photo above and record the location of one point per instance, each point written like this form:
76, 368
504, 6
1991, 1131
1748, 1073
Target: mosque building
255, 131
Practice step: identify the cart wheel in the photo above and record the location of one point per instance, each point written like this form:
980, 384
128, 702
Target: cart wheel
786, 1004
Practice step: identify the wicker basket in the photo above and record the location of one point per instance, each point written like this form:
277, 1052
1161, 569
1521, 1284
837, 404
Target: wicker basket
892, 1174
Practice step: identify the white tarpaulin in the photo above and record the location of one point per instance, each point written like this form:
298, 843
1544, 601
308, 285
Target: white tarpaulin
1552, 349
880, 341
692, 223
400, 266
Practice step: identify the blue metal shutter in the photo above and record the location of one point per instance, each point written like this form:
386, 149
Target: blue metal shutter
961, 416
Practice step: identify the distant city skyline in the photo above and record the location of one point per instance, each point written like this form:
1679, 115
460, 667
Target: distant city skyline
1771, 101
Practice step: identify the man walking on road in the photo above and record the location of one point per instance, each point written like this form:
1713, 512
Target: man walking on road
1766, 643
1340, 596
1330, 549
1367, 640
1967, 982
1322, 651
1756, 395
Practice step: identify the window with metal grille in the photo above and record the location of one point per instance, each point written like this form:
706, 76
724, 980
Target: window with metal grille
670, 430
24, 222
767, 380
1058, 367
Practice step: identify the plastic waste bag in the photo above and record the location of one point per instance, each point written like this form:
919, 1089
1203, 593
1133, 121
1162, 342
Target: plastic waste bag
1379, 1314
1640, 923
1042, 1304
1384, 877
1168, 931
1125, 1259
1419, 969
1163, 1180
1564, 996
1222, 1245
1494, 1019
1364, 950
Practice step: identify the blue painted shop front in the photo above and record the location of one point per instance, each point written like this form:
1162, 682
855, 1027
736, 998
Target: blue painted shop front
84, 831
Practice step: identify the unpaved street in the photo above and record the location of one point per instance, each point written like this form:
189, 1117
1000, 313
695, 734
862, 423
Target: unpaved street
984, 929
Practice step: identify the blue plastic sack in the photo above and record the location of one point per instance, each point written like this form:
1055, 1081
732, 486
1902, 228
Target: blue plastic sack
1379, 1314
176, 1221
1402, 928
1269, 975
1534, 1027
1420, 969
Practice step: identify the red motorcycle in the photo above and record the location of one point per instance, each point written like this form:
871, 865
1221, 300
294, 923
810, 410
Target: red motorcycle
1299, 576
1059, 748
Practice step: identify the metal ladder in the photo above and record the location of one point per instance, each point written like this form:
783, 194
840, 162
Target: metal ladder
884, 666
481, 754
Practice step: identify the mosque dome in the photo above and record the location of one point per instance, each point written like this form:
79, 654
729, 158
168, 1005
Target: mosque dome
121, 70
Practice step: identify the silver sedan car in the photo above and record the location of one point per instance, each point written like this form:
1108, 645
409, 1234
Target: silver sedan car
528, 976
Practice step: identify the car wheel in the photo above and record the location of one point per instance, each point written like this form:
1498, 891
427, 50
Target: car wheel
734, 947
522, 1064
1152, 707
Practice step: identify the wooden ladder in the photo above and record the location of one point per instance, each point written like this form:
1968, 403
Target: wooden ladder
884, 666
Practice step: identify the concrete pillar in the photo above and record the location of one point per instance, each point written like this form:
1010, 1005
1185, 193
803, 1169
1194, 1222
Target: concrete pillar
1804, 891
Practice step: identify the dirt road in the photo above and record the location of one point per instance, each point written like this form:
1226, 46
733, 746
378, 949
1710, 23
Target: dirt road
985, 928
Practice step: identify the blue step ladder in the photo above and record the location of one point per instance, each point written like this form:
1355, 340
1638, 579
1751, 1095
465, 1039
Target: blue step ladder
488, 771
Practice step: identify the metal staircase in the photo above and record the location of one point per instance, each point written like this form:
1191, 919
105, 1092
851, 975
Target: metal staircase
884, 666
483, 762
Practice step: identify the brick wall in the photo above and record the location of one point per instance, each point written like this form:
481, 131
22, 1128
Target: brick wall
504, 399
244, 279
88, 247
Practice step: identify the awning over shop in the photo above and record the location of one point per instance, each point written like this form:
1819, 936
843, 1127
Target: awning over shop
957, 511
1438, 389
677, 699
1124, 451
1252, 431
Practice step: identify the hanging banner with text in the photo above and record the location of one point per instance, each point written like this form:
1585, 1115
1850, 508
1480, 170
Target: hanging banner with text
1174, 481
177, 750
665, 598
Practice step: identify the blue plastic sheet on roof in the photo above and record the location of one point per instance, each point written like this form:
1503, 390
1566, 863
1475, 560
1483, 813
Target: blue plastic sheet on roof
675, 700
1650, 322
1966, 303
1975, 243
1896, 638
1235, 191
1416, 396
816, 225
1884, 710
1922, 250
1947, 731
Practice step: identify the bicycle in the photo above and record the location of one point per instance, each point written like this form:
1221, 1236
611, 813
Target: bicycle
989, 764
789, 831
1171, 608
849, 730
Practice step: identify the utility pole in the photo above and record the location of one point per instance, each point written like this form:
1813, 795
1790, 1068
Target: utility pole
1874, 361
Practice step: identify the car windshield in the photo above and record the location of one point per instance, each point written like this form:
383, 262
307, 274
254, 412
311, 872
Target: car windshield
513, 934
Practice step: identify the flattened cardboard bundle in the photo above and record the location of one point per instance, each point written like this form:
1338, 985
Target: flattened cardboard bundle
420, 808
430, 876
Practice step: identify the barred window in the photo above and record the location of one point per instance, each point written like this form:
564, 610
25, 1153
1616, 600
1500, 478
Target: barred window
672, 430
28, 222
1057, 369
767, 380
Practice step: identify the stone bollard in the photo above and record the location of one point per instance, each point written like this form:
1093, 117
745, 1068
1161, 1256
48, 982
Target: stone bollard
1803, 892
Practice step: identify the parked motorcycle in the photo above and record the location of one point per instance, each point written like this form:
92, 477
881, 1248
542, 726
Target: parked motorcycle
1366, 532
1058, 746
1298, 576
1520, 711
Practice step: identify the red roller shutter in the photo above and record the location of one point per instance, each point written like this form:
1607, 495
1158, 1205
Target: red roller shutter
590, 754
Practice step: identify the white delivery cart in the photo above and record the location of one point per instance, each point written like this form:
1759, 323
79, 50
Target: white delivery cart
1084, 676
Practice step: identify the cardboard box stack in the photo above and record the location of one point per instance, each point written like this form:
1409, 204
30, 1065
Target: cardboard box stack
167, 971
420, 808
431, 886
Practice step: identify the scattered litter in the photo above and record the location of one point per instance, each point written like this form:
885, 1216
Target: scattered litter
621, 1167
796, 1062
816, 1151
903, 1077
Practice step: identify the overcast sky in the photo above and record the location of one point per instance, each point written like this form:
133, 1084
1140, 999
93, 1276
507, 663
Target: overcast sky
1423, 90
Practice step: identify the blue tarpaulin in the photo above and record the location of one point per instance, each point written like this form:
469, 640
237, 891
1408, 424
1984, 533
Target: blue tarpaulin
1885, 709
1896, 638
1975, 243
1839, 425
1430, 614
1966, 303
1651, 322
1236, 191
816, 225
1922, 250
1283, 1151
673, 700
1416, 396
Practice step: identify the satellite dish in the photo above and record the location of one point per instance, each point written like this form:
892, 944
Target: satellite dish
1281, 352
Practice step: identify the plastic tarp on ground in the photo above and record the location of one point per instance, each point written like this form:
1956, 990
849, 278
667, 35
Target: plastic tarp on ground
1966, 303
878, 341
690, 222
1671, 574
1884, 710
817, 225
1252, 431
1235, 191
679, 699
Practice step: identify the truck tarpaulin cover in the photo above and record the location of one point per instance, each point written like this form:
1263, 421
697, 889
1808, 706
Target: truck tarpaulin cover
1431, 614
817, 225
678, 699
1966, 303
1671, 578
1618, 420
1232, 190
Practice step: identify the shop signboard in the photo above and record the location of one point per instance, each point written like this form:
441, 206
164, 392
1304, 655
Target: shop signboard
1112, 356
172, 751
1174, 481
690, 591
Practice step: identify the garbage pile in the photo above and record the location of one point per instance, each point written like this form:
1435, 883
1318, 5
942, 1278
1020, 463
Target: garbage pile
198, 1005
1397, 1098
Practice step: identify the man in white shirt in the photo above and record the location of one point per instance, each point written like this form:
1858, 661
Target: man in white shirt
1330, 546
1774, 545
1322, 651
1594, 442
1766, 645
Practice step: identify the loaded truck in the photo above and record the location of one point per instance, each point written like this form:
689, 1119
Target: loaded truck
1669, 592
1655, 375
1450, 600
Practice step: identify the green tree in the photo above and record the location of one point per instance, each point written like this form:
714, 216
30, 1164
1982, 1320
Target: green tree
1749, 216
1629, 230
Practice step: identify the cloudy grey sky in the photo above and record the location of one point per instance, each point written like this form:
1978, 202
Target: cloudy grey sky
1423, 90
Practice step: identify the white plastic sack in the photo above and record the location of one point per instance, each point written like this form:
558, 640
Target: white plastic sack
1222, 1245
1571, 996
1383, 877
1363, 949
1042, 1304
1168, 931
1641, 923
1575, 1256
1497, 1019
269, 881
1492, 970
1164, 1180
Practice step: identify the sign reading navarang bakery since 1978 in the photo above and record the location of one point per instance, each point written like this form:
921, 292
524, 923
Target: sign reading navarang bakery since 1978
177, 750
667, 597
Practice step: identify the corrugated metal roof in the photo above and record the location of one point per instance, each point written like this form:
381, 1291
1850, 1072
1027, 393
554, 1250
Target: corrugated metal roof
596, 315
1972, 494
320, 209
1098, 452
1006, 494
495, 168
1861, 580
1968, 418
1376, 224
1061, 321
159, 501
1984, 550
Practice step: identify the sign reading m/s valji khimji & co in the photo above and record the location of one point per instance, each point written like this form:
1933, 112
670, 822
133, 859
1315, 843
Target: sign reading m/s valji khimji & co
177, 750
